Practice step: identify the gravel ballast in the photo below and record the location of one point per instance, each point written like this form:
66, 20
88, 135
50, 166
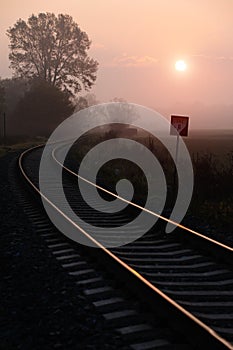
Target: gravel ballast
41, 307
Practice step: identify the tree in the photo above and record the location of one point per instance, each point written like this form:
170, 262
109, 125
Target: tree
41, 109
126, 110
15, 89
53, 49
85, 101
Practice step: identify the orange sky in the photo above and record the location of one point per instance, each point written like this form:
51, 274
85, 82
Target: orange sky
137, 43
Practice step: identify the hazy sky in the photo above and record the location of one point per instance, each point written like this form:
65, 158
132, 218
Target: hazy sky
137, 43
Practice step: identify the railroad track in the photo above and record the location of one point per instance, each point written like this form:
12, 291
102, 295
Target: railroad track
185, 278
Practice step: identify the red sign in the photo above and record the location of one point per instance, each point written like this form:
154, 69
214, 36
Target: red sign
180, 123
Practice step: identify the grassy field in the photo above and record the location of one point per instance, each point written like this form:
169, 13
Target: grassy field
15, 144
212, 154
212, 157
216, 142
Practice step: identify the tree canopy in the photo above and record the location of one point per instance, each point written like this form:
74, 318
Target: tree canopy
85, 101
42, 108
53, 49
14, 89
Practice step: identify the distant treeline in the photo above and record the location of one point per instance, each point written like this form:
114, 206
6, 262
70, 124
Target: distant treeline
35, 107
50, 63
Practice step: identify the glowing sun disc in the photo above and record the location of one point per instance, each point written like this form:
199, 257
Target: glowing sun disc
180, 65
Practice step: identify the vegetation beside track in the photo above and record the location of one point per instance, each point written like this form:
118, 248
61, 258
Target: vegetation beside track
213, 185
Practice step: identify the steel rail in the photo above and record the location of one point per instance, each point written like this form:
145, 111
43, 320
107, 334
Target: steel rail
202, 334
207, 243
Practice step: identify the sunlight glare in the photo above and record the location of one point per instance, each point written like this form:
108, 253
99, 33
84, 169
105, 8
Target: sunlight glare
180, 65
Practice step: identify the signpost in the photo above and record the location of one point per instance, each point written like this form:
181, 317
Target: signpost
180, 124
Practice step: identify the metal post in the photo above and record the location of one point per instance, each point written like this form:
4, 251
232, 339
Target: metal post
177, 147
4, 128
176, 157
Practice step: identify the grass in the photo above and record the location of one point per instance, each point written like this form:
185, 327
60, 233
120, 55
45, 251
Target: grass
212, 158
15, 144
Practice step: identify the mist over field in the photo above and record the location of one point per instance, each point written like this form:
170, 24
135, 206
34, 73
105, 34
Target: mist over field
137, 59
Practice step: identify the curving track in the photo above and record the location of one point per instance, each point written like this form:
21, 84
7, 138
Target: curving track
187, 277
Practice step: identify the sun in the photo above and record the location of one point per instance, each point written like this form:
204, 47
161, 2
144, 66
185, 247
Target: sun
180, 65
